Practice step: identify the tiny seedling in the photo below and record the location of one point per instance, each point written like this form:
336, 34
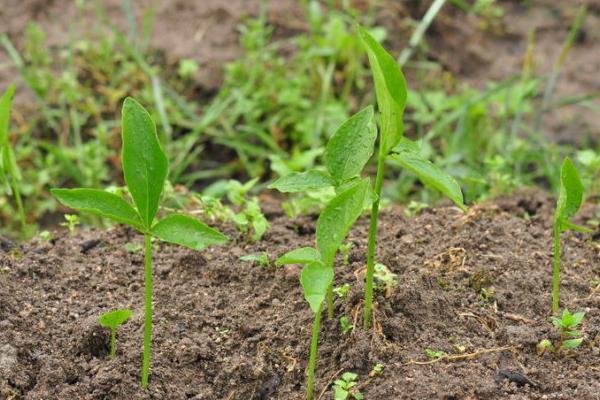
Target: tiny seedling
385, 279
377, 370
9, 170
435, 354
71, 222
345, 325
570, 335
391, 94
346, 388
261, 259
342, 291
145, 168
345, 252
569, 202
112, 320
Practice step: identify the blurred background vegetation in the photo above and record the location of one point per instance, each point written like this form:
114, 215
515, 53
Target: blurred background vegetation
276, 104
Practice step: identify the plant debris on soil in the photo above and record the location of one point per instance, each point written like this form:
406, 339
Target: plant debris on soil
474, 286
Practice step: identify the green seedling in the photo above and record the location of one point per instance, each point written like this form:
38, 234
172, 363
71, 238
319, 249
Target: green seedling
570, 335
342, 291
569, 202
9, 170
345, 252
345, 325
316, 277
145, 169
391, 94
377, 370
261, 259
435, 354
385, 279
346, 387
71, 222
112, 320
347, 152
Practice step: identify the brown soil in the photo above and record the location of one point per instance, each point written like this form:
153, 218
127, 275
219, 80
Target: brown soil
228, 329
472, 48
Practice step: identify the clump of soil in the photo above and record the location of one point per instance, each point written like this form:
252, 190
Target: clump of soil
475, 286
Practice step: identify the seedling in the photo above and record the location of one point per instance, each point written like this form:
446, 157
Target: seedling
345, 324
385, 279
145, 169
71, 222
435, 354
377, 370
9, 170
570, 335
317, 275
261, 259
569, 202
342, 291
345, 388
112, 320
390, 89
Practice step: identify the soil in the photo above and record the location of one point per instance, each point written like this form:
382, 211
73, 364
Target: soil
474, 285
473, 49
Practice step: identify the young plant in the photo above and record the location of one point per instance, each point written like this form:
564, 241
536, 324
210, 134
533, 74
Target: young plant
112, 320
9, 170
569, 202
570, 335
316, 277
145, 168
391, 94
346, 387
346, 154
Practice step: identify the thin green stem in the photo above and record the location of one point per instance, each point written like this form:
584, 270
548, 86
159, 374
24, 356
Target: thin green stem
19, 201
556, 271
312, 361
113, 343
148, 311
330, 310
372, 242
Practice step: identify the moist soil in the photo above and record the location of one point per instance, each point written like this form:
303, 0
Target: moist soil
473, 285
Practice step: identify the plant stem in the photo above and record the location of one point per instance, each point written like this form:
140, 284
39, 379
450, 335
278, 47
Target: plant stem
372, 243
312, 361
556, 272
113, 343
148, 311
17, 194
330, 301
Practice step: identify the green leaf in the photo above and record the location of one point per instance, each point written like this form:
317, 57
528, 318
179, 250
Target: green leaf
351, 146
338, 217
114, 319
390, 88
430, 175
5, 106
571, 192
302, 181
315, 279
303, 255
186, 231
571, 344
145, 165
99, 202
565, 225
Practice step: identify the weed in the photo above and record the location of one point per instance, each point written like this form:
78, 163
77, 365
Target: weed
145, 168
377, 370
570, 335
112, 320
71, 222
261, 259
391, 94
345, 388
345, 324
434, 354
569, 202
384, 278
342, 291
9, 170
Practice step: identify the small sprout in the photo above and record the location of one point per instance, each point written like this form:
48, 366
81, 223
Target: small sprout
414, 208
544, 346
486, 295
71, 222
112, 320
386, 279
568, 324
377, 370
345, 252
187, 68
46, 235
434, 354
261, 259
569, 202
222, 330
461, 348
342, 291
345, 388
133, 247
345, 325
